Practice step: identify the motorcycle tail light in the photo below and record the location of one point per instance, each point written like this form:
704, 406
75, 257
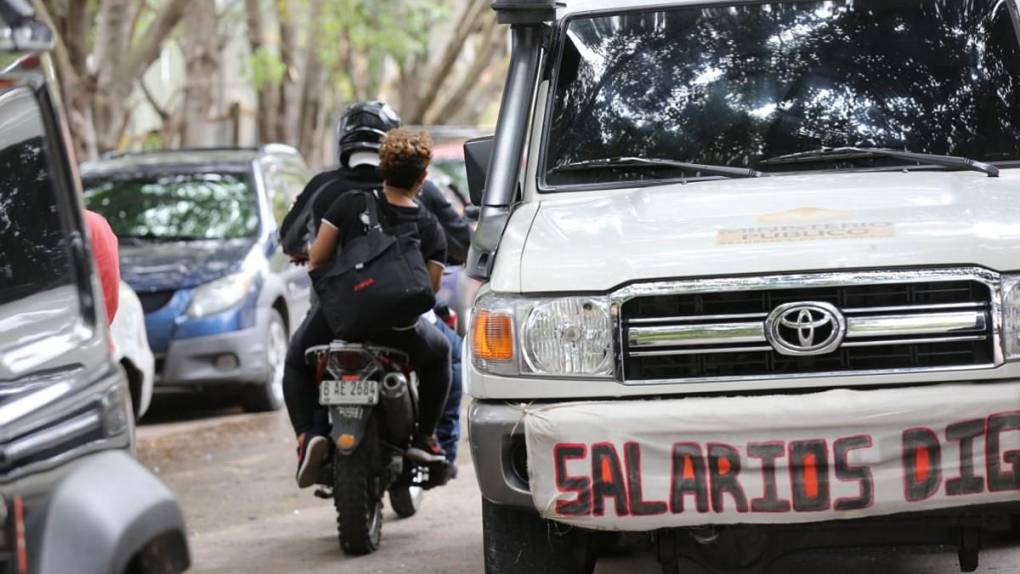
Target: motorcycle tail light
320, 368
451, 319
351, 360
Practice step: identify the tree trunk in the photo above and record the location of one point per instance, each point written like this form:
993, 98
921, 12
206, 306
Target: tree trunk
201, 49
120, 64
265, 123
466, 24
69, 61
490, 41
311, 90
286, 115
111, 90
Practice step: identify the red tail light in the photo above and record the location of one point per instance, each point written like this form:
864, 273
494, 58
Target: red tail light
351, 360
451, 319
320, 369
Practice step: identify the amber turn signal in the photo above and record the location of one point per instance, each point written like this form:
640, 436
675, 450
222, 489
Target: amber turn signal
492, 336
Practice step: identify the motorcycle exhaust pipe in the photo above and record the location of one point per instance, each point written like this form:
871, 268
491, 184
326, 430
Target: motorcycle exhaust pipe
398, 408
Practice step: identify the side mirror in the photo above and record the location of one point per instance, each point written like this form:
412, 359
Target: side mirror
477, 153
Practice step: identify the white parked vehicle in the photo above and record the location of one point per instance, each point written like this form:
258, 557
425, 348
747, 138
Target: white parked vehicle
132, 349
753, 281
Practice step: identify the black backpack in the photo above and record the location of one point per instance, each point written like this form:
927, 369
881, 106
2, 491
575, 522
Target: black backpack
297, 231
298, 228
376, 282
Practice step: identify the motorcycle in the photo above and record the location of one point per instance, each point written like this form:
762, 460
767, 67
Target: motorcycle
372, 397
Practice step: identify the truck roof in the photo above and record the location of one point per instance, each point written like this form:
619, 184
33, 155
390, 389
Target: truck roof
581, 6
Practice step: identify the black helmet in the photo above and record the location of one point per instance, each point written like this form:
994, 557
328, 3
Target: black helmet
363, 127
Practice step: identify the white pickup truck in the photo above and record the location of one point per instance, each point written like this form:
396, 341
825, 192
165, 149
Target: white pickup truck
752, 281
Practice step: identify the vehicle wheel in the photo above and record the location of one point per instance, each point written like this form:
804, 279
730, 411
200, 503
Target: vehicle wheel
520, 542
357, 497
406, 499
268, 396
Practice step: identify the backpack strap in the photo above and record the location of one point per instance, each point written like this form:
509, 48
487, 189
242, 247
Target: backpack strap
372, 209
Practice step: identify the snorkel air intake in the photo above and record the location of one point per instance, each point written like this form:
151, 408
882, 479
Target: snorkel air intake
525, 11
528, 21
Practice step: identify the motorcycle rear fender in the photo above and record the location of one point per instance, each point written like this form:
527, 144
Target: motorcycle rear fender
349, 422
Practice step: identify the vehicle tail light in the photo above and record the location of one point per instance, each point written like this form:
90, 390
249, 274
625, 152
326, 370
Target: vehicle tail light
351, 360
451, 319
492, 336
320, 368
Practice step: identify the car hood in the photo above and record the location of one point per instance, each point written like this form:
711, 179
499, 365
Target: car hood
599, 240
153, 266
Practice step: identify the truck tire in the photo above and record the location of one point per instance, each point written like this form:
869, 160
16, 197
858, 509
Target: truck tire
518, 541
357, 498
267, 395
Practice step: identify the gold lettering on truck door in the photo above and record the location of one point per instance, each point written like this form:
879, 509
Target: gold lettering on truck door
795, 233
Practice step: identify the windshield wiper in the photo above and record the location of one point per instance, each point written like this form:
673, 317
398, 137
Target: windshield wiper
651, 163
865, 152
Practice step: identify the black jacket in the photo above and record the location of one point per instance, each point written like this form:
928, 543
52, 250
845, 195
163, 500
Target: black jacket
323, 189
458, 233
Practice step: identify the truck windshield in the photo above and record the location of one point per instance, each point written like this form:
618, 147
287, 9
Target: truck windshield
175, 207
736, 85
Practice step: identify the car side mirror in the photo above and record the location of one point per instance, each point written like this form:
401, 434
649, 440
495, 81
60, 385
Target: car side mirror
477, 153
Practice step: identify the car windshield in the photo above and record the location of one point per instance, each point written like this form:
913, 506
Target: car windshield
735, 85
184, 206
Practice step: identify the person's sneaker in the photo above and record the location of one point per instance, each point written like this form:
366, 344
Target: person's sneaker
312, 450
425, 449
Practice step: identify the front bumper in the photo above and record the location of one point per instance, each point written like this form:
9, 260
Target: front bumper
193, 362
805, 458
496, 435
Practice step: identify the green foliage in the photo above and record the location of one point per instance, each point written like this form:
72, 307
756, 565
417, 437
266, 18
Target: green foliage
397, 28
267, 69
374, 31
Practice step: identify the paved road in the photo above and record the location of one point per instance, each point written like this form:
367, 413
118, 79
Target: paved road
234, 474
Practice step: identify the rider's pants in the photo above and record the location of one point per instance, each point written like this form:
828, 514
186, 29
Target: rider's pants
299, 389
428, 349
448, 430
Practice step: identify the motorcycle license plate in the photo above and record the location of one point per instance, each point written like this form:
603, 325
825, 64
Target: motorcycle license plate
349, 392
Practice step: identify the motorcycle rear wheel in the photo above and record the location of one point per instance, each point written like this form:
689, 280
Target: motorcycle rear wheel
357, 496
406, 499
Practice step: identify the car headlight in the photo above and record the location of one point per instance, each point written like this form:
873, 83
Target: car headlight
219, 295
1011, 316
559, 337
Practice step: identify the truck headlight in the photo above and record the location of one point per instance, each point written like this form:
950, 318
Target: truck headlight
219, 295
1011, 316
558, 337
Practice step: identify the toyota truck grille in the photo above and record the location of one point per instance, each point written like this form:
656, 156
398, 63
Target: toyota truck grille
769, 327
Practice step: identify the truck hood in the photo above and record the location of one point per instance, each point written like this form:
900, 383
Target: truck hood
179, 265
599, 240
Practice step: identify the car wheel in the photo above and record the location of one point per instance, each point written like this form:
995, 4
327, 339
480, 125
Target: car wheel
268, 395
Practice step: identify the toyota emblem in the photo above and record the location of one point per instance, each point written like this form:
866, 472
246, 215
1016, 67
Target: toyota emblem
805, 329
